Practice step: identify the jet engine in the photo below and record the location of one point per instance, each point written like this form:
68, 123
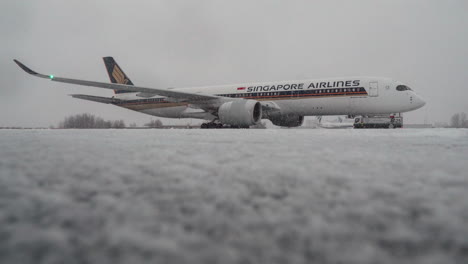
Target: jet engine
240, 113
287, 120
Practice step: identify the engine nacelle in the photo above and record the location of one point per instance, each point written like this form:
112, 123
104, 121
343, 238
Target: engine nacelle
287, 120
240, 113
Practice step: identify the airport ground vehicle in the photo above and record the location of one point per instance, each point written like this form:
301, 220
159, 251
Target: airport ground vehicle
386, 121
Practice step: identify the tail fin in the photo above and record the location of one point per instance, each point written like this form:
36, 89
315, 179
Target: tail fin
116, 75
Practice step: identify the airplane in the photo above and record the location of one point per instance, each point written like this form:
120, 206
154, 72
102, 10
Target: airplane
284, 103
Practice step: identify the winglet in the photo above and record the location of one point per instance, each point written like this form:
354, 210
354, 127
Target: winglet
28, 70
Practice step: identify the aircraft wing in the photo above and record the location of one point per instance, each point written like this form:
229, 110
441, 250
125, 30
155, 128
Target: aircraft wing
178, 95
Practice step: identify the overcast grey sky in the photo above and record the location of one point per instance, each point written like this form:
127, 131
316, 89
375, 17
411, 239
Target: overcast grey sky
423, 43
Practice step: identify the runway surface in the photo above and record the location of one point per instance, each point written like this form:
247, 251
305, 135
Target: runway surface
234, 196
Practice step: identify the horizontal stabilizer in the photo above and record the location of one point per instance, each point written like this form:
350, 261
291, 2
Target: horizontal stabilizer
146, 95
105, 100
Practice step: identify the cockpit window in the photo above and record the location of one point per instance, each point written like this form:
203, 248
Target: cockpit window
403, 88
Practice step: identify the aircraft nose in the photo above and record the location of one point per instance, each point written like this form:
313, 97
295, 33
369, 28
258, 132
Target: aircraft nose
418, 101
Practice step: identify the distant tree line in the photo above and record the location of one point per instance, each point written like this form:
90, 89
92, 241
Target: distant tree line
89, 121
154, 124
459, 120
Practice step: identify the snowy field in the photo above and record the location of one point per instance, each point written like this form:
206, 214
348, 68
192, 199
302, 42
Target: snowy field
234, 196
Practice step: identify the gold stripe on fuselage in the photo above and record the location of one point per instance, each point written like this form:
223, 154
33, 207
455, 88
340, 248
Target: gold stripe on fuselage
151, 105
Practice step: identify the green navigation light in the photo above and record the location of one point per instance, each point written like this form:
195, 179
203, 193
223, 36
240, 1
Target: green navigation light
51, 77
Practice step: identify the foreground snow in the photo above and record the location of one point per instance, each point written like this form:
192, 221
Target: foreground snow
234, 196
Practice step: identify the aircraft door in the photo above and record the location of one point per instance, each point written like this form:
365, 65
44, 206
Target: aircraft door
373, 89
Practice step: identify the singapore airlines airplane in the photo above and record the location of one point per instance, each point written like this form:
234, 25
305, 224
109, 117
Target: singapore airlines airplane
285, 103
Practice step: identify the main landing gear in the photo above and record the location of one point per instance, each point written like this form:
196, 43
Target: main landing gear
211, 125
216, 125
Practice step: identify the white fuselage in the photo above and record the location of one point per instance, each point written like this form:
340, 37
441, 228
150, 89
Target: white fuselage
335, 96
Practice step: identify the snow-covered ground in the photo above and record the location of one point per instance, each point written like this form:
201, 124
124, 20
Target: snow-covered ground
234, 196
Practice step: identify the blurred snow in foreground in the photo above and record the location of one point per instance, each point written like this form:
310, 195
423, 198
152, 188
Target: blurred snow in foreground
234, 196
